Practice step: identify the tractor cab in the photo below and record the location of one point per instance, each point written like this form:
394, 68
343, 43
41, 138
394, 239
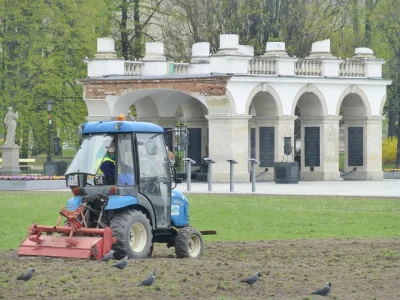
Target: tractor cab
124, 160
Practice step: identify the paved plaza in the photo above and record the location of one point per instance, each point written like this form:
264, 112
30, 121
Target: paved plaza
383, 188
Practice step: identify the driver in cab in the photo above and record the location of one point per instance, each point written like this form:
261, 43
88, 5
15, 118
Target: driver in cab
108, 165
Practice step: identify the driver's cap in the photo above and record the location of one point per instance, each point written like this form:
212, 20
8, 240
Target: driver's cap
111, 148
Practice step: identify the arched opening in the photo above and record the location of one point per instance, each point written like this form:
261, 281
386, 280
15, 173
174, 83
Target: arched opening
308, 107
352, 131
264, 110
309, 133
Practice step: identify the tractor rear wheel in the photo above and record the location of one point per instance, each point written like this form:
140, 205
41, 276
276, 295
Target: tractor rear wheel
189, 243
134, 235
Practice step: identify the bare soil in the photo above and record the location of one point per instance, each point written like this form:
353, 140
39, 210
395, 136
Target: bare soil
291, 269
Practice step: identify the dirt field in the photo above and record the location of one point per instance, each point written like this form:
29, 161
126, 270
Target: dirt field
357, 269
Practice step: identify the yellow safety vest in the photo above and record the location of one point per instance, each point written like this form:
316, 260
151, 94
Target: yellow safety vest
100, 161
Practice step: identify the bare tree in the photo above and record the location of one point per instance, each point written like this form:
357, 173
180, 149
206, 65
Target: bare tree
131, 20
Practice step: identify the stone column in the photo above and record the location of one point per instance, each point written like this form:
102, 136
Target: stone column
326, 138
282, 126
10, 165
229, 138
363, 148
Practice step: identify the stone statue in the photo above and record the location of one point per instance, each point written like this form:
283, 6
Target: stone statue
10, 121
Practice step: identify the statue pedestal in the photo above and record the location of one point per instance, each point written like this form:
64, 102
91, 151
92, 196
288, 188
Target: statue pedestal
10, 164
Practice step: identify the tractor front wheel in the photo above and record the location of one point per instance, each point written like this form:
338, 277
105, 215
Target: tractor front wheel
189, 243
134, 235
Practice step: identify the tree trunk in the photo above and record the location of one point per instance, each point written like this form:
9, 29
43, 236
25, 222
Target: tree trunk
369, 6
124, 30
137, 50
392, 115
397, 99
355, 22
398, 147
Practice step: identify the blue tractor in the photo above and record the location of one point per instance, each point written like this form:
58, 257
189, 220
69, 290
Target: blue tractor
128, 210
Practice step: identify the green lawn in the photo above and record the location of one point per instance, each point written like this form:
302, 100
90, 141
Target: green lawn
341, 160
234, 217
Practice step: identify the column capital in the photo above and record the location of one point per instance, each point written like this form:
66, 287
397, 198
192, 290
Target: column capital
155, 120
228, 118
321, 119
194, 121
282, 119
364, 120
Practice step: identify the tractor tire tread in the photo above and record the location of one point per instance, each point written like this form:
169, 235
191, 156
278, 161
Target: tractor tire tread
119, 228
181, 247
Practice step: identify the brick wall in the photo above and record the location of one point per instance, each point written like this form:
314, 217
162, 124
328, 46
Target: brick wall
208, 86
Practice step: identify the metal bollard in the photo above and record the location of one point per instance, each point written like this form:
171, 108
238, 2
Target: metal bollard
209, 175
253, 162
189, 162
231, 163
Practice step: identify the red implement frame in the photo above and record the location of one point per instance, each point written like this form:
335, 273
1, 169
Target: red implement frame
77, 240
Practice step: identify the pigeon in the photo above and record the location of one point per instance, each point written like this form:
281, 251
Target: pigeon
121, 264
27, 275
323, 291
252, 279
149, 280
108, 256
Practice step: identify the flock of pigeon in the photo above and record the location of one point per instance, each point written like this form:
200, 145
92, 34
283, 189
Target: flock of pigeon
121, 264
322, 291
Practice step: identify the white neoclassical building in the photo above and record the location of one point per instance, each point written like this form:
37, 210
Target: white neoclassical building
239, 106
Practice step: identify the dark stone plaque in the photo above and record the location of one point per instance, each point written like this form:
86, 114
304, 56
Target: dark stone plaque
194, 147
252, 143
267, 146
312, 147
355, 146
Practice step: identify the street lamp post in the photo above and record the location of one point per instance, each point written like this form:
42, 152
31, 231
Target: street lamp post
49, 105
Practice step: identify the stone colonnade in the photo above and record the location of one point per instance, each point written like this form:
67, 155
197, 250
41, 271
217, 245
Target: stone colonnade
238, 106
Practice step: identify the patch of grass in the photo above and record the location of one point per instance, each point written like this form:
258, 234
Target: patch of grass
246, 217
235, 217
20, 209
389, 254
341, 160
389, 165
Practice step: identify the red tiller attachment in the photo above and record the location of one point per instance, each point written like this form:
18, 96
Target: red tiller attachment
76, 240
